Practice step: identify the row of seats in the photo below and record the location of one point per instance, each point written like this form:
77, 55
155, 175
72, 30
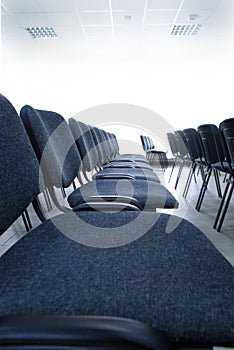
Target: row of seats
108, 180
211, 150
82, 276
152, 154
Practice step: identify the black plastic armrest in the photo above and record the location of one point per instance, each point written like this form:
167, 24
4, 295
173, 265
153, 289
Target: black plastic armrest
114, 176
113, 165
83, 332
109, 202
103, 206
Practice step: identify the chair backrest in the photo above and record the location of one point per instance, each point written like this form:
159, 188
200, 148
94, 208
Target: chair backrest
172, 143
181, 143
85, 144
54, 146
193, 143
211, 142
98, 141
115, 143
19, 170
227, 138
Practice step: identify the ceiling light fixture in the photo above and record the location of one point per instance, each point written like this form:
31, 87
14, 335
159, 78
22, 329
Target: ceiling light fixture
193, 16
42, 32
185, 29
128, 18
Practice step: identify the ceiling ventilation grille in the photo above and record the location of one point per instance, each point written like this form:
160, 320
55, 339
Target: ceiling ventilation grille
42, 32
185, 29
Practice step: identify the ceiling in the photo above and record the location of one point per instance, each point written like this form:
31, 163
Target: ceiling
130, 24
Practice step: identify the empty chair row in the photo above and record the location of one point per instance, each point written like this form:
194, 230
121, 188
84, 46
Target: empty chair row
208, 148
107, 180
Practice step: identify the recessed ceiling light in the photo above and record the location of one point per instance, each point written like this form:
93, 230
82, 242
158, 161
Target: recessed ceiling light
128, 18
193, 16
185, 29
42, 32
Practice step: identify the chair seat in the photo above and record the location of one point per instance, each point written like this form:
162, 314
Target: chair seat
177, 282
222, 167
150, 195
138, 174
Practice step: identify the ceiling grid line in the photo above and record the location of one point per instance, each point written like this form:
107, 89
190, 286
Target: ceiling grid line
112, 19
144, 14
81, 23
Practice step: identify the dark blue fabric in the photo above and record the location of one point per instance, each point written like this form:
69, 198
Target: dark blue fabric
85, 144
149, 194
138, 174
54, 145
177, 282
19, 169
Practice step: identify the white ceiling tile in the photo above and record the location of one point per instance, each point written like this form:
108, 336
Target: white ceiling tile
225, 4
3, 9
16, 33
221, 16
92, 5
203, 16
136, 5
99, 31
159, 30
32, 19
21, 6
9, 20
95, 18
164, 4
56, 5
69, 33
200, 4
160, 17
62, 18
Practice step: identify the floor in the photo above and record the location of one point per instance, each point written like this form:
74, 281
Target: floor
223, 241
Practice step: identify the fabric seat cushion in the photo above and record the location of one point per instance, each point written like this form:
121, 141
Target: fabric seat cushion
177, 282
149, 194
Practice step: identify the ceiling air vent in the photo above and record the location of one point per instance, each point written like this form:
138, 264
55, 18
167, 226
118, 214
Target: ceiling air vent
42, 32
185, 29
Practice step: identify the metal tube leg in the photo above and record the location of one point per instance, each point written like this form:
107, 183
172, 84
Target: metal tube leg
225, 207
188, 182
179, 174
221, 205
203, 189
217, 182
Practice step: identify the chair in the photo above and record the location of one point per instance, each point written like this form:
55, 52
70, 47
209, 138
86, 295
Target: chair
104, 264
174, 151
153, 155
182, 153
214, 158
195, 154
227, 136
